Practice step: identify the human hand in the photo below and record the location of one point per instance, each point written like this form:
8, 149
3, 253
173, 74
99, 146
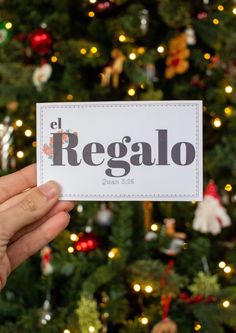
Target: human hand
30, 217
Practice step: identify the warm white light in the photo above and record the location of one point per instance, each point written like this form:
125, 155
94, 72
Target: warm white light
80, 208
148, 289
74, 237
131, 92
28, 132
70, 249
228, 89
154, 227
234, 10
197, 327
8, 25
227, 269
20, 154
217, 122
66, 331
222, 264
226, 304
19, 123
92, 1
137, 287
160, 49
91, 329
132, 56
144, 320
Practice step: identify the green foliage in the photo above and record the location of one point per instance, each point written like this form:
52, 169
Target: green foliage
88, 315
204, 284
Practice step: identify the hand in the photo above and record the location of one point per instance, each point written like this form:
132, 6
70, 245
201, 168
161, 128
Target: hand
30, 217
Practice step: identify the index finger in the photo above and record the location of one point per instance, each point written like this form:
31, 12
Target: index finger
17, 182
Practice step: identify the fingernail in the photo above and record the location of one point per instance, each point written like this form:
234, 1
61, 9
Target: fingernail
50, 189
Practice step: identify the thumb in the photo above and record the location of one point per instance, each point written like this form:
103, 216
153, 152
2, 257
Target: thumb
31, 208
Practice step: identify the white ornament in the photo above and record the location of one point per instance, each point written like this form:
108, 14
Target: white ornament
190, 36
210, 216
150, 235
41, 75
104, 215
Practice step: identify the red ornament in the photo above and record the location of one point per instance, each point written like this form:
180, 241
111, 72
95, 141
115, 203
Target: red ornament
104, 6
86, 243
41, 41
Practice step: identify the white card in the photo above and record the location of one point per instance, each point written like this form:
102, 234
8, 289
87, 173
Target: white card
121, 150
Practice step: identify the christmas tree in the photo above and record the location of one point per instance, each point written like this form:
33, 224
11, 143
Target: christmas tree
125, 267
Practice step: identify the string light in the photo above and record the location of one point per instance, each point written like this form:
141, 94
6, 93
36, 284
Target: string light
122, 38
91, 329
154, 227
228, 187
215, 21
8, 25
19, 123
228, 111
66, 331
228, 89
141, 50
34, 144
222, 264
217, 122
54, 59
144, 320
69, 97
20, 154
113, 253
227, 269
28, 133
197, 327
91, 14
131, 92
226, 304
74, 237
160, 49
148, 289
80, 208
92, 1
132, 56
207, 56
93, 50
70, 249
83, 51
220, 8
136, 287
234, 10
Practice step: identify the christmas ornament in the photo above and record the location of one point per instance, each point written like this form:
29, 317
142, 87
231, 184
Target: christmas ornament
41, 41
150, 235
104, 215
104, 6
205, 285
46, 259
144, 21
176, 242
165, 326
210, 215
178, 54
45, 312
86, 242
147, 209
190, 36
6, 139
88, 315
12, 106
41, 75
112, 72
4, 34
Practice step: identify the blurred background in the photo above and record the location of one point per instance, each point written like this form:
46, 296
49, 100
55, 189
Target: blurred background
125, 267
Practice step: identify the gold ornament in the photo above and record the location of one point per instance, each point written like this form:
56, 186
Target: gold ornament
165, 326
112, 72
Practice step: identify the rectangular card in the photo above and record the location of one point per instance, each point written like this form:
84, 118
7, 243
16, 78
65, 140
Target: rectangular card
121, 150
